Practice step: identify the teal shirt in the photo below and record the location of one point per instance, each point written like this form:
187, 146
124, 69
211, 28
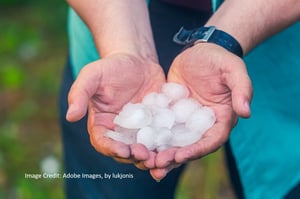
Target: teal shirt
82, 47
266, 146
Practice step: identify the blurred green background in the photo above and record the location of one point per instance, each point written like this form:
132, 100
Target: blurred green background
33, 51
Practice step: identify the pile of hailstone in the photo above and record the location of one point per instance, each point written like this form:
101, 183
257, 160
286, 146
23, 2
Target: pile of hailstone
162, 120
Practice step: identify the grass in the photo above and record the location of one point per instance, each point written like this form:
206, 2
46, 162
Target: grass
32, 54
205, 178
33, 50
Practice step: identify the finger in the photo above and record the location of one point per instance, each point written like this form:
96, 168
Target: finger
210, 142
241, 89
159, 174
124, 160
84, 87
150, 162
138, 164
141, 165
147, 164
165, 158
139, 152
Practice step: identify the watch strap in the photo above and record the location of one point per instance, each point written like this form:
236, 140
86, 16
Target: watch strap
208, 34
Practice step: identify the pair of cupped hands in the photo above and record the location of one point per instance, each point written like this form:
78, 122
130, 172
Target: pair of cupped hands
214, 77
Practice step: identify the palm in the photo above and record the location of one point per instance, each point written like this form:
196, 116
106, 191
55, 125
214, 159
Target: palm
106, 85
206, 83
122, 79
218, 79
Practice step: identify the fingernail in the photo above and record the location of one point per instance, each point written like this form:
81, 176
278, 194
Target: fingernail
158, 179
246, 105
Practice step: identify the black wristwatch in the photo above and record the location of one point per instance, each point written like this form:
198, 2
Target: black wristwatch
208, 34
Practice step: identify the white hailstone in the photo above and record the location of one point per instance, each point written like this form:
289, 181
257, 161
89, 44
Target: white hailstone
146, 136
201, 120
149, 100
127, 132
163, 118
162, 100
120, 137
183, 136
162, 147
179, 128
184, 139
133, 116
183, 108
156, 100
130, 134
175, 91
49, 165
163, 137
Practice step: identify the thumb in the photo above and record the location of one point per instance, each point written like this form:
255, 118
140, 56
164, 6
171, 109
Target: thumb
84, 87
241, 91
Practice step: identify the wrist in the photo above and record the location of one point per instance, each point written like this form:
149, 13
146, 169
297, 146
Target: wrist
242, 37
208, 35
139, 46
132, 51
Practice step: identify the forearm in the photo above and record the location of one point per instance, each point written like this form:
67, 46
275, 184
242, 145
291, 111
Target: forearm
250, 22
118, 26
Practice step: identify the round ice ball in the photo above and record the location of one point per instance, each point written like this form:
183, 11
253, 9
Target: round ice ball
163, 137
146, 136
163, 118
121, 137
134, 116
182, 136
183, 108
201, 120
184, 139
175, 91
156, 100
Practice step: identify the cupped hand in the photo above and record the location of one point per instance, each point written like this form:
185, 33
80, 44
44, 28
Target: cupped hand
103, 87
218, 79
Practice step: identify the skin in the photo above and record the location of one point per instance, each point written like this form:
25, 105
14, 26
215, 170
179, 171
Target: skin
215, 77
224, 88
218, 78
102, 91
129, 63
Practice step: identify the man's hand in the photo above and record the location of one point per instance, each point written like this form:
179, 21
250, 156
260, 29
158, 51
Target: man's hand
103, 87
218, 79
